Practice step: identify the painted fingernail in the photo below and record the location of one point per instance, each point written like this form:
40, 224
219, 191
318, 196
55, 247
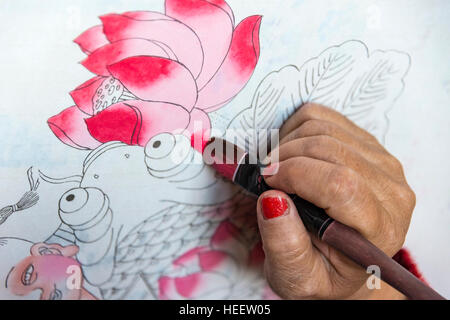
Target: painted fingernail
273, 207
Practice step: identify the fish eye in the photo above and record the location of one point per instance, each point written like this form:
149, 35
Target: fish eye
160, 146
81, 208
73, 200
171, 160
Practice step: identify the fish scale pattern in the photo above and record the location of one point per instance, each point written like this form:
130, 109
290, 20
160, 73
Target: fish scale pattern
150, 248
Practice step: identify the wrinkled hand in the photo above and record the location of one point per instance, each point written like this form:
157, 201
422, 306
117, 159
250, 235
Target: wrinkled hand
328, 160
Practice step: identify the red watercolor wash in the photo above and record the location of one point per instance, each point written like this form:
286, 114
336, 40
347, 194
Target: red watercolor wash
225, 232
190, 7
199, 139
96, 61
92, 39
142, 71
219, 3
225, 170
257, 255
273, 207
210, 260
188, 284
82, 95
118, 122
65, 123
113, 23
245, 44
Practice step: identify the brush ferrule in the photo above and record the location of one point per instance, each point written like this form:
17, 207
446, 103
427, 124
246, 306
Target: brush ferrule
249, 177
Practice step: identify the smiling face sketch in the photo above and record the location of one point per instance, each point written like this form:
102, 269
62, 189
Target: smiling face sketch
43, 268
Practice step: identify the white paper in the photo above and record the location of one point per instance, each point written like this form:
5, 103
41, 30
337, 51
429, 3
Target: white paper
148, 211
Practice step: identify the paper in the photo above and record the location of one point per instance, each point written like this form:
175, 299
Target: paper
110, 200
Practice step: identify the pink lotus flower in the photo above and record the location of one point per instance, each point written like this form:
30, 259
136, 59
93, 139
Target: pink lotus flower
158, 72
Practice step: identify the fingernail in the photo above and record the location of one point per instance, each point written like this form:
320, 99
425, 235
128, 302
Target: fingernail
273, 207
270, 169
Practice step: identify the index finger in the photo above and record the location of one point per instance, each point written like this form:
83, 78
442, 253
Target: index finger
312, 111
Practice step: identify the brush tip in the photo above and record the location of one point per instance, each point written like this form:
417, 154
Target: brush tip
223, 156
199, 140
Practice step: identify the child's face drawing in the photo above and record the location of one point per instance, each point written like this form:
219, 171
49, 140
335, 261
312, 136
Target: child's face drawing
45, 269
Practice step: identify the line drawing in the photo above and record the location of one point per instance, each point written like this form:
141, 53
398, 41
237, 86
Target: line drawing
147, 217
29, 199
149, 64
362, 86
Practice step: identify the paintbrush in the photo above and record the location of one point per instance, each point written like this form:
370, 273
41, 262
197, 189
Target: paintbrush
237, 165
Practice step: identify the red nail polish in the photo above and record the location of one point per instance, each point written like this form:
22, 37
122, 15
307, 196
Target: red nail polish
273, 207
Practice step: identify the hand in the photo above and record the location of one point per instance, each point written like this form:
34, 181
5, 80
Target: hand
328, 160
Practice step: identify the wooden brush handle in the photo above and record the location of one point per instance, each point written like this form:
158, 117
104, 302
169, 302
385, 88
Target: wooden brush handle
363, 252
343, 238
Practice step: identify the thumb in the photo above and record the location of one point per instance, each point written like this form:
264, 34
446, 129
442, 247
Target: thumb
289, 253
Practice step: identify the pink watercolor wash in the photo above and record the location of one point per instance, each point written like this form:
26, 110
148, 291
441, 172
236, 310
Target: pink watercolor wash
214, 266
158, 72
